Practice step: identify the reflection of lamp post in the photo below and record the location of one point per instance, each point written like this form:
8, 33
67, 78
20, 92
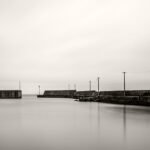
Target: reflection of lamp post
90, 85
124, 85
98, 84
124, 121
39, 89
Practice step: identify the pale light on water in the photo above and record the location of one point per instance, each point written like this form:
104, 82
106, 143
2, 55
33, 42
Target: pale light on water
64, 124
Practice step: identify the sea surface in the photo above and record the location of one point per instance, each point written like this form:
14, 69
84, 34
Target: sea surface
64, 124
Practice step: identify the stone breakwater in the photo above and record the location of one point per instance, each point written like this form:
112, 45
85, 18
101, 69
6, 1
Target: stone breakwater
10, 94
58, 94
125, 100
131, 97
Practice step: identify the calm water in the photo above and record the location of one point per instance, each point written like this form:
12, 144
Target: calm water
64, 124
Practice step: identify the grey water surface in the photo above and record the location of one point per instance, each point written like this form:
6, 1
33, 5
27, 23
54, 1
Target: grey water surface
65, 124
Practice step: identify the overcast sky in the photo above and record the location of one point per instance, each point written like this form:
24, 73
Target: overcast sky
59, 42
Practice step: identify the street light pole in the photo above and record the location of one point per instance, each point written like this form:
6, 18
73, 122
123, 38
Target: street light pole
39, 89
75, 87
98, 84
68, 86
19, 85
90, 85
124, 85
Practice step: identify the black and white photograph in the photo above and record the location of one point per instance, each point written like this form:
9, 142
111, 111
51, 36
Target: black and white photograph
74, 74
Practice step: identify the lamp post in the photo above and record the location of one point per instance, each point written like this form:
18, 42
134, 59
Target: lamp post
39, 89
124, 83
98, 84
90, 85
19, 85
68, 86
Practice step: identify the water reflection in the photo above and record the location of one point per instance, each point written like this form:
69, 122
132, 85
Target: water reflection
63, 124
90, 115
98, 115
124, 122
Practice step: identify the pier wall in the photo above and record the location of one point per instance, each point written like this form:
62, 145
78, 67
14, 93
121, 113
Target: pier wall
59, 93
127, 93
79, 94
76, 94
133, 97
126, 100
10, 94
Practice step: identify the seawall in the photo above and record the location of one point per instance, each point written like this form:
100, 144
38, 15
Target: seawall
10, 94
134, 97
126, 100
58, 94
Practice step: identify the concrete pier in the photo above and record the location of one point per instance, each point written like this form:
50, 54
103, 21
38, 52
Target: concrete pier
58, 94
131, 97
10, 94
135, 97
85, 95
